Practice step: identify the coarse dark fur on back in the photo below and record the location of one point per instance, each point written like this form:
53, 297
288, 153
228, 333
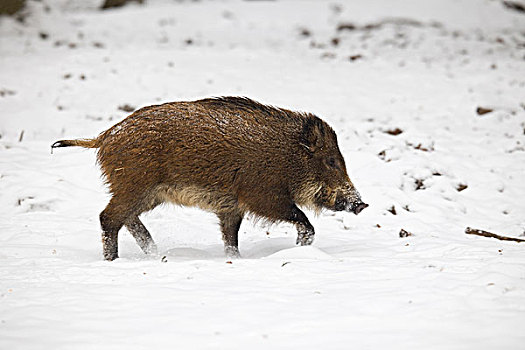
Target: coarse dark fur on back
229, 155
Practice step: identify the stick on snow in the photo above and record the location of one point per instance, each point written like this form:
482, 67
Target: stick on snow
473, 231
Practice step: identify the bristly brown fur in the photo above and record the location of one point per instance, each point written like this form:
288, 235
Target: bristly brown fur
228, 155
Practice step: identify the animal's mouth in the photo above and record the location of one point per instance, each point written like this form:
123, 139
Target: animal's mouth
353, 207
343, 201
357, 208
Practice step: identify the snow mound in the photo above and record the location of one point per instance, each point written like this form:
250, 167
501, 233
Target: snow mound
305, 252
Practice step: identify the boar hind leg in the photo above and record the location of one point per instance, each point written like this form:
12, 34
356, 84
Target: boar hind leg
141, 235
230, 223
305, 230
113, 217
111, 221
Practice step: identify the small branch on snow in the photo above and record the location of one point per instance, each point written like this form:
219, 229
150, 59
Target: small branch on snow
514, 5
117, 3
483, 110
473, 231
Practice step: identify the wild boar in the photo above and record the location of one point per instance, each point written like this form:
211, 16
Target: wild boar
229, 155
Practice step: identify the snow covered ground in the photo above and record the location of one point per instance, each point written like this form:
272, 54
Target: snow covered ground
366, 67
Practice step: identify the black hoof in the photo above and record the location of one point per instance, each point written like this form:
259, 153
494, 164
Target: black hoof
232, 252
305, 238
110, 257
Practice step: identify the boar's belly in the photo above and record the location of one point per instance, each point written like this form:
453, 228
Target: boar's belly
195, 196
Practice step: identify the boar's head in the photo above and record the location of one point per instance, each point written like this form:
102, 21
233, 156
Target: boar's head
328, 184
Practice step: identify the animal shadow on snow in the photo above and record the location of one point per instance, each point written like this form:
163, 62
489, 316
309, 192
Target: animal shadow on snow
249, 250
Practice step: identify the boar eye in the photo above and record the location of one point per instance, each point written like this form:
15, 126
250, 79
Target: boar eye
331, 162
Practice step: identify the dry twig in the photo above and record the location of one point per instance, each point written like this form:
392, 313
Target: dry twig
473, 231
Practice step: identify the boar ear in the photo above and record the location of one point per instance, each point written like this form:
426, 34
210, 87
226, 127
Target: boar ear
312, 135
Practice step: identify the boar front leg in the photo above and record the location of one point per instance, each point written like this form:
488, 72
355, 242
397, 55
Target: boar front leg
230, 223
305, 230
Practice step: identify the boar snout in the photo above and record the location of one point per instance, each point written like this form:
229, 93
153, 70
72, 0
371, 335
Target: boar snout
357, 207
350, 204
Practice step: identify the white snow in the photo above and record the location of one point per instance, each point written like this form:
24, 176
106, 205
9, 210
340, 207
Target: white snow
425, 70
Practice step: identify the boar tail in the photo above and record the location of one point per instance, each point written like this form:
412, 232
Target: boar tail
86, 143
